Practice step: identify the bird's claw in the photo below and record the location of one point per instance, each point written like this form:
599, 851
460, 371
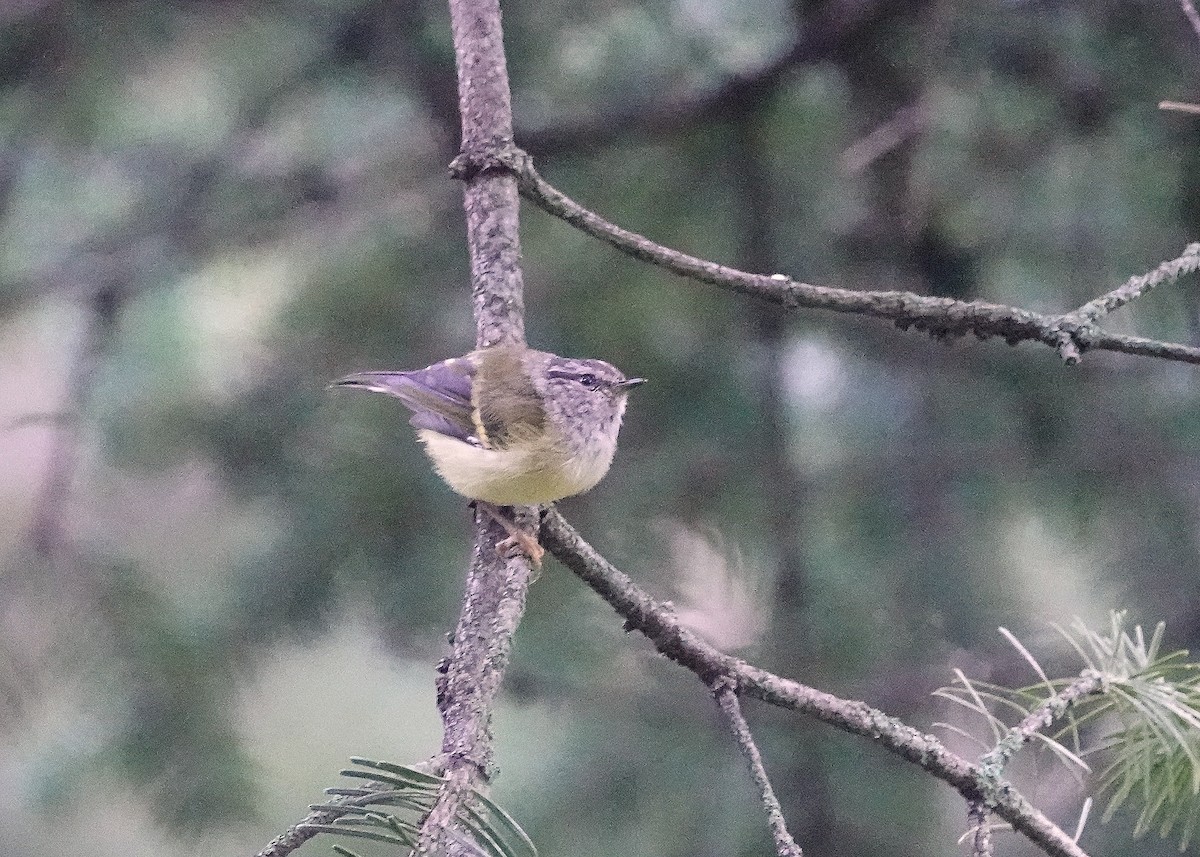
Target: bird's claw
518, 542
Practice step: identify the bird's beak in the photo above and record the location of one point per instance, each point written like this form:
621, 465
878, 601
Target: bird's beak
630, 383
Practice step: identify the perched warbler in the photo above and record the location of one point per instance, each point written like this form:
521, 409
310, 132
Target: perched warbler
511, 426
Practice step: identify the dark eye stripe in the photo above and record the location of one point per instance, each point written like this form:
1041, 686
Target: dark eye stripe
585, 378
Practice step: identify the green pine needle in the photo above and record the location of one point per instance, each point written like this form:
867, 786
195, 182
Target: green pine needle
1143, 726
487, 828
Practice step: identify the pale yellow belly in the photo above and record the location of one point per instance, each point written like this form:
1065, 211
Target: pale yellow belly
513, 477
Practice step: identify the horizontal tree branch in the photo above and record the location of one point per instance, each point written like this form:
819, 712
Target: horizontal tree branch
659, 624
1180, 106
1070, 333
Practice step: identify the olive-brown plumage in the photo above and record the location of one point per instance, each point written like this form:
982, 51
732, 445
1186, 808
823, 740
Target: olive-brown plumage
510, 425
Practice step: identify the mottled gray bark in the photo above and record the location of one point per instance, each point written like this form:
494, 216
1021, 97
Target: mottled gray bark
494, 601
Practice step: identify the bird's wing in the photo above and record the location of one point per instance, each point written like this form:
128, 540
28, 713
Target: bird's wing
439, 396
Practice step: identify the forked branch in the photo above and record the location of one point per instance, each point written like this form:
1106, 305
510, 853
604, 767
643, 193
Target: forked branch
1070, 333
659, 624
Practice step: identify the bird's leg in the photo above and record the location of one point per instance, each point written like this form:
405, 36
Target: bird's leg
517, 538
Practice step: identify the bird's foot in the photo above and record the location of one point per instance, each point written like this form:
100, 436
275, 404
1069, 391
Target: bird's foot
518, 542
522, 543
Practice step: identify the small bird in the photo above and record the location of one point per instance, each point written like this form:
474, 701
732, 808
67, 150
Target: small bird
511, 426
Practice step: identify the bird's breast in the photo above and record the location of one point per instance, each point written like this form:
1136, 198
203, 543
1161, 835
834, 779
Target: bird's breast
524, 474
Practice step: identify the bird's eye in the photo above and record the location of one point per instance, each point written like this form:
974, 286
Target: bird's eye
589, 381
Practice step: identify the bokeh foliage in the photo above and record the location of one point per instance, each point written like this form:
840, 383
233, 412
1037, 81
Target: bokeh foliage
212, 208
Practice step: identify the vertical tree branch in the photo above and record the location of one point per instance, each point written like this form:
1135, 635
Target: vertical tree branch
494, 600
495, 592
490, 198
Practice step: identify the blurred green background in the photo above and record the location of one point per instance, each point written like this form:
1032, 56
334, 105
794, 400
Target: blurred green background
222, 580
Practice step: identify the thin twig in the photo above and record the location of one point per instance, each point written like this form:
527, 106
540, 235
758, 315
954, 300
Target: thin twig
1138, 285
979, 827
322, 817
994, 761
659, 624
302, 831
1179, 106
725, 692
1083, 819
